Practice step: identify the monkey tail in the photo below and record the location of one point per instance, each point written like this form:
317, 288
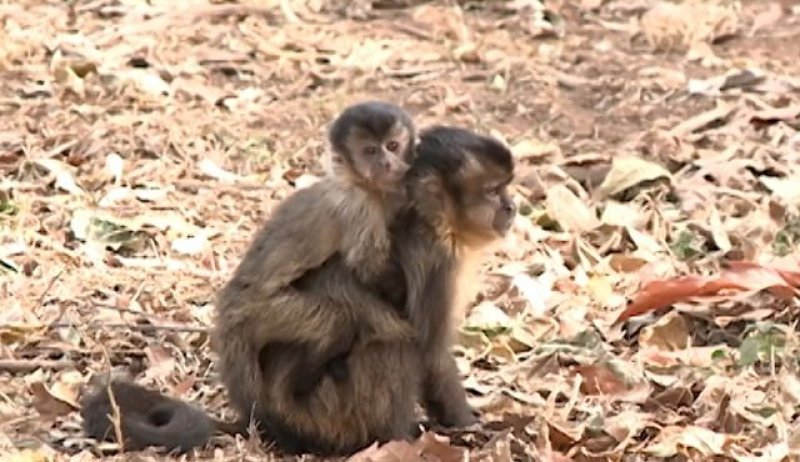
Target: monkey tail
175, 426
147, 418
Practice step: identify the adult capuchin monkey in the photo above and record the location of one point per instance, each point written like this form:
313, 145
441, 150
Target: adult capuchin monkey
458, 205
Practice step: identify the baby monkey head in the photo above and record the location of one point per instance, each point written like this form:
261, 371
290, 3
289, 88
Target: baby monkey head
373, 143
469, 175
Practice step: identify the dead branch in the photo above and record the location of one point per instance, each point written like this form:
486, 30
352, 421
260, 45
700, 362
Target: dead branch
27, 365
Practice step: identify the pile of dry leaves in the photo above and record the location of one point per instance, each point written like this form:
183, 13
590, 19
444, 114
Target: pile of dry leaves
644, 308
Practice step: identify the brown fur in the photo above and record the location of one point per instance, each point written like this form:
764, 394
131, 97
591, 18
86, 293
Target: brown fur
147, 418
274, 341
277, 334
459, 206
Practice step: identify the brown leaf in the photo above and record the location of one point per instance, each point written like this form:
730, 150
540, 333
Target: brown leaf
569, 211
674, 440
553, 456
626, 263
162, 364
627, 172
439, 447
777, 114
48, 405
600, 380
719, 114
738, 276
393, 451
498, 449
669, 333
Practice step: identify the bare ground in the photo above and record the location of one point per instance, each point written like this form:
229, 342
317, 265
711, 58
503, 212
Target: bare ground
142, 143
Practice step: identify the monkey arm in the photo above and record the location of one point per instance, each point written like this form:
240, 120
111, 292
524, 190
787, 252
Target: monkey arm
430, 304
443, 392
302, 233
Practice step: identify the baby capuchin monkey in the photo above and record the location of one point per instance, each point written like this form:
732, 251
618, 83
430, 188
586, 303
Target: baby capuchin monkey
270, 335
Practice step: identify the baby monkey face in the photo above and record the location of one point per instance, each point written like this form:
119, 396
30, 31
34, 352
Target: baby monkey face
382, 159
373, 144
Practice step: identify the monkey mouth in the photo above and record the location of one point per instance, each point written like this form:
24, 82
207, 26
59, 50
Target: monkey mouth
504, 226
392, 179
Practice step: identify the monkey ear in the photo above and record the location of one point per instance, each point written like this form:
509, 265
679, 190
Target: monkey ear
332, 162
432, 201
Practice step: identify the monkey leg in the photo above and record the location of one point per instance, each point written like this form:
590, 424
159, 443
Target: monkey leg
246, 327
443, 392
305, 366
375, 402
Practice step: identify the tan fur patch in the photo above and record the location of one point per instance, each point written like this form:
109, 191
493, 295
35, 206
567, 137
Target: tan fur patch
467, 276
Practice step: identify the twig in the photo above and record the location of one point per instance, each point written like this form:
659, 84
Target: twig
181, 16
46, 290
414, 71
115, 418
121, 310
136, 327
703, 120
288, 13
234, 187
411, 30
27, 365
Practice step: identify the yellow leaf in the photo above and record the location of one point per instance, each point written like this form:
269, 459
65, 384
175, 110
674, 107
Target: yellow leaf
629, 171
570, 211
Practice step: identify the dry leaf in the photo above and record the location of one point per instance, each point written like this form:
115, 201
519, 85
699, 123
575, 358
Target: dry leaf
675, 440
62, 173
738, 276
537, 151
209, 168
114, 166
569, 211
629, 171
48, 405
669, 333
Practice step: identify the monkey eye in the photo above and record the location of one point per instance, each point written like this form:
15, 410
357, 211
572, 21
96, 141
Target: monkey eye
370, 150
392, 145
492, 191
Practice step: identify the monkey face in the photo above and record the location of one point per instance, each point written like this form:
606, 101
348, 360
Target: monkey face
462, 180
375, 142
381, 160
488, 211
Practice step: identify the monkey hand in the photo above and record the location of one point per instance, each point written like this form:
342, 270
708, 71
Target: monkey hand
463, 417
